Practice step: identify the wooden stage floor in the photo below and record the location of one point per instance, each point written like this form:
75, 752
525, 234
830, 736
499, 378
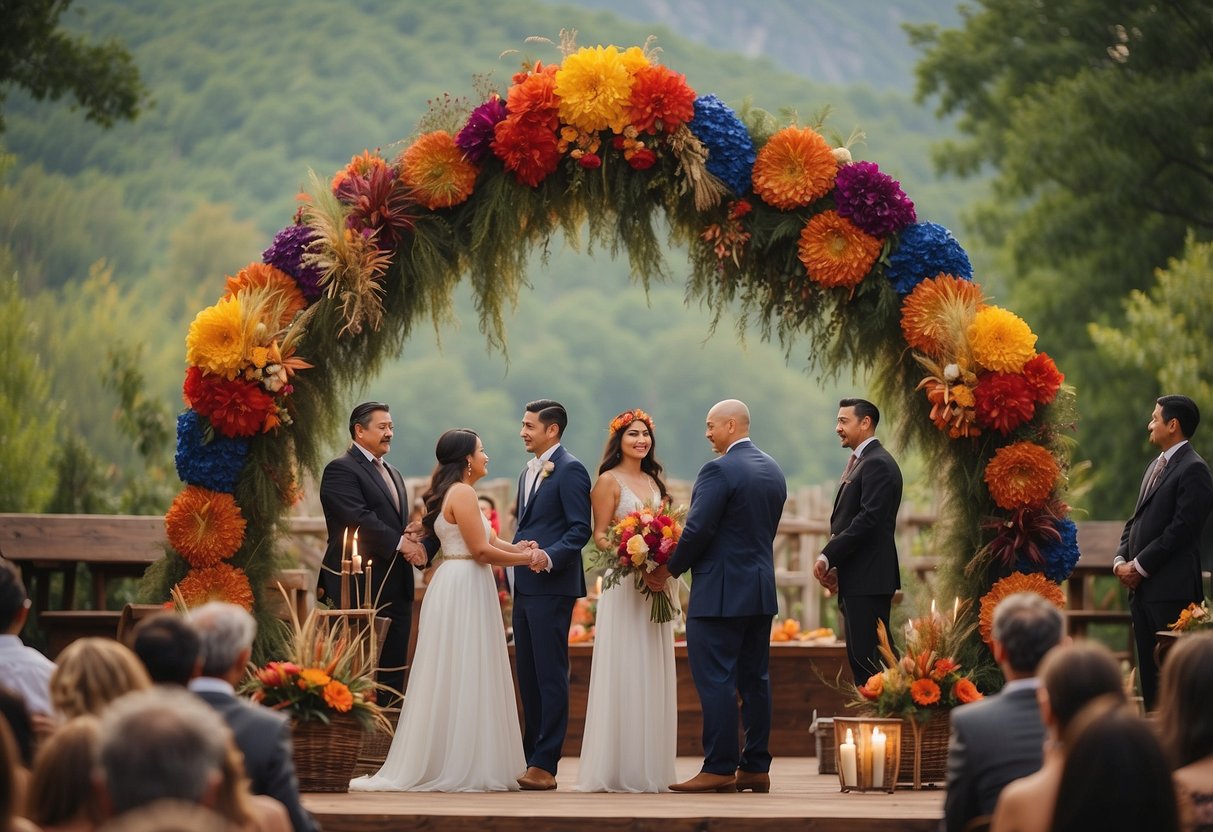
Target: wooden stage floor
800, 798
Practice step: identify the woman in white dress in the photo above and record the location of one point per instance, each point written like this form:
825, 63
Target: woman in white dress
631, 723
458, 729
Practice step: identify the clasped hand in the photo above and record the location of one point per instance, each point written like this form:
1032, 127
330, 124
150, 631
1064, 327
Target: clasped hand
1128, 575
539, 558
825, 576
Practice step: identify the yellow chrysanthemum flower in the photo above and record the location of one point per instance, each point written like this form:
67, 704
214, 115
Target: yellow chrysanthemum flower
634, 59
219, 339
1001, 340
594, 85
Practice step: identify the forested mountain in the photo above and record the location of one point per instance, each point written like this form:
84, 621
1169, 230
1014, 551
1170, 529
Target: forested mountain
117, 237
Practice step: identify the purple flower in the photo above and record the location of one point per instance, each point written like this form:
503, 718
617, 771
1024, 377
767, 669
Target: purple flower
872, 199
286, 253
476, 137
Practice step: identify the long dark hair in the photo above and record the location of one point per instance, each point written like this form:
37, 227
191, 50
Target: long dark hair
612, 454
1184, 720
453, 449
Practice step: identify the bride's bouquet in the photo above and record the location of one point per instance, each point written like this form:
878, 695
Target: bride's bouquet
638, 544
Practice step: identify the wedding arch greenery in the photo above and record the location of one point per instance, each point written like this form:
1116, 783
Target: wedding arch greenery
611, 148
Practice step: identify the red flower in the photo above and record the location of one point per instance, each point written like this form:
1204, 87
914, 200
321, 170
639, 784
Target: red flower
642, 158
530, 151
873, 688
378, 202
1043, 377
942, 668
590, 160
661, 100
234, 408
1004, 401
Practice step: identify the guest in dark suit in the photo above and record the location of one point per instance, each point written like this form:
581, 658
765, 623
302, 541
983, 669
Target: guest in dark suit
360, 491
860, 560
226, 633
1159, 554
727, 546
553, 510
1001, 738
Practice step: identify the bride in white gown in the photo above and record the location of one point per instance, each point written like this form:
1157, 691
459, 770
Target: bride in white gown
458, 729
631, 723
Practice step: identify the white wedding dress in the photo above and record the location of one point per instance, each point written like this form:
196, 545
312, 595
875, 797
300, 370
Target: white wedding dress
631, 720
458, 729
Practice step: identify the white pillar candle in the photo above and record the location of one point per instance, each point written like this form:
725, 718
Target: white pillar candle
846, 759
878, 749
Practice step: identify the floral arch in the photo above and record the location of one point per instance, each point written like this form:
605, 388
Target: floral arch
777, 221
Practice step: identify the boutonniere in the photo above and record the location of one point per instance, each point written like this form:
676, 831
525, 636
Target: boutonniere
548, 468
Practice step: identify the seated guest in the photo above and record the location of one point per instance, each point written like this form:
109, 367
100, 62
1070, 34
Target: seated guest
261, 813
1185, 722
1115, 778
169, 816
13, 710
61, 795
263, 736
92, 673
1000, 738
168, 646
1071, 676
26, 671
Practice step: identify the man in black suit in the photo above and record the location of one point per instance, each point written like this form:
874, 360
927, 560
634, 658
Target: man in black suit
225, 633
1001, 738
360, 491
860, 560
1159, 554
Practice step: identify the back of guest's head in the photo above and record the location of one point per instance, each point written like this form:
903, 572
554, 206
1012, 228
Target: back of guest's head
91, 673
170, 816
1185, 718
61, 787
168, 646
10, 763
1073, 675
160, 743
1115, 776
225, 631
1183, 409
863, 408
13, 598
1027, 626
16, 714
550, 413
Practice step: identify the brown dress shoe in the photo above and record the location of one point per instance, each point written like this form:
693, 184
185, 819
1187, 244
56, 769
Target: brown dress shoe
537, 780
705, 781
758, 782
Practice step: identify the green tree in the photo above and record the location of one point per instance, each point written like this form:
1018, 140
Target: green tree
1085, 111
39, 57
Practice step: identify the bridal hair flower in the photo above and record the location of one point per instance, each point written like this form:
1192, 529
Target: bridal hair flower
627, 417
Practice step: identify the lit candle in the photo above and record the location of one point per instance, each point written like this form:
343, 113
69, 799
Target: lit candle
357, 561
598, 588
356, 549
878, 746
345, 542
955, 608
846, 758
345, 583
370, 601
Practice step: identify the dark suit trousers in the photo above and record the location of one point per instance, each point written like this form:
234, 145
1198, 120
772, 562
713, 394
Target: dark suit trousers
1148, 618
541, 658
730, 657
861, 612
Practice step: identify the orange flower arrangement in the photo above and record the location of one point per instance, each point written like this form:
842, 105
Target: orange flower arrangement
290, 300
835, 252
936, 315
204, 526
1021, 474
222, 582
435, 170
1011, 584
794, 168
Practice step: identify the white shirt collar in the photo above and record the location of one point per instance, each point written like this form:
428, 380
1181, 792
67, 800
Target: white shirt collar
370, 457
535, 462
862, 445
736, 443
1170, 452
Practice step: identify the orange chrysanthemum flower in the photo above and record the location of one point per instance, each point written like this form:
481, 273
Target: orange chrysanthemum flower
924, 692
338, 697
1001, 340
363, 164
966, 691
1020, 475
533, 98
661, 100
531, 152
223, 582
262, 276
794, 168
1013, 583
935, 317
204, 526
835, 252
436, 171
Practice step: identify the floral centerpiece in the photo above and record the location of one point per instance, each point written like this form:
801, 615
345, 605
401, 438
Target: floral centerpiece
638, 544
1193, 617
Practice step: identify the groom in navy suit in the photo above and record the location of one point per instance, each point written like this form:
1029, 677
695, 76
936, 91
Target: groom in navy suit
553, 510
727, 544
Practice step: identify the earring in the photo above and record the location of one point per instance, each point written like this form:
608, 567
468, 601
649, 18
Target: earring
469, 467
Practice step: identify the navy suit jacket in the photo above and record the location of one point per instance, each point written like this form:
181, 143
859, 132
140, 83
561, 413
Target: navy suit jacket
558, 519
863, 526
1165, 530
727, 541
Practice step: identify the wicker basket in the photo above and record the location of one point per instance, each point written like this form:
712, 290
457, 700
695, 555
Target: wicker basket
325, 755
924, 751
375, 746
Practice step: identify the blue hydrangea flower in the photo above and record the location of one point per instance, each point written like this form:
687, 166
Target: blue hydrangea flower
286, 253
1060, 556
730, 148
924, 250
213, 462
